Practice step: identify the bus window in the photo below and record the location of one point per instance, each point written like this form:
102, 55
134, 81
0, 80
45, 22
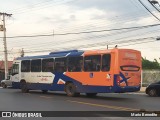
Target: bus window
106, 60
47, 65
15, 69
60, 64
92, 63
25, 66
36, 65
130, 68
75, 64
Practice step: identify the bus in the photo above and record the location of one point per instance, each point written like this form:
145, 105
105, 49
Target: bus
74, 71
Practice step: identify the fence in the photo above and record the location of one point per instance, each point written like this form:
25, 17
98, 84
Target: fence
150, 76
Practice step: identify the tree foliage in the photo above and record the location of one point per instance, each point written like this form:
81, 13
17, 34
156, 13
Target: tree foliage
147, 64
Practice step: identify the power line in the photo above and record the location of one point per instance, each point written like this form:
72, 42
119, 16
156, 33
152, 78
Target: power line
149, 10
95, 44
26, 8
105, 24
75, 40
90, 26
41, 7
86, 32
153, 2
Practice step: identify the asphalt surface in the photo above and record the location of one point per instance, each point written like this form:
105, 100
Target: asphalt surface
14, 100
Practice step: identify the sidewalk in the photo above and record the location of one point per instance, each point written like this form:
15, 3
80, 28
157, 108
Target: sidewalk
142, 89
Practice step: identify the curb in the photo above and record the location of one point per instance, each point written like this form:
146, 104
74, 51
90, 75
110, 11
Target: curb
142, 89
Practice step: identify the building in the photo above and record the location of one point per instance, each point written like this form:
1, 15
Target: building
2, 69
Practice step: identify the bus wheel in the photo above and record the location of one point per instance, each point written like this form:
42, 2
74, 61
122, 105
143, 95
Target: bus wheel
44, 91
91, 94
23, 85
70, 89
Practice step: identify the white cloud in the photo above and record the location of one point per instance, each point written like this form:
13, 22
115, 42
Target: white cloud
146, 21
77, 16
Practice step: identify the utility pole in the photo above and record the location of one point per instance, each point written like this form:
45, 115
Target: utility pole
5, 43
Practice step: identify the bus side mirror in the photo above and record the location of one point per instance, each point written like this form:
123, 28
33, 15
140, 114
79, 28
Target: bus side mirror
14, 74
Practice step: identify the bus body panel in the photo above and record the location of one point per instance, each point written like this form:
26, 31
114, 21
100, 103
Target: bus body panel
38, 77
130, 67
99, 78
91, 82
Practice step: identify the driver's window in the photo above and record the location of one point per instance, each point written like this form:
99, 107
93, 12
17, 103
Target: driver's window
15, 69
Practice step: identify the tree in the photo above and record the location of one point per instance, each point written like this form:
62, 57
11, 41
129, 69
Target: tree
146, 64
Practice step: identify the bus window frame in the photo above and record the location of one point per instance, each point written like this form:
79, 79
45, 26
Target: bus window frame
65, 65
108, 65
40, 65
81, 64
99, 63
29, 65
52, 66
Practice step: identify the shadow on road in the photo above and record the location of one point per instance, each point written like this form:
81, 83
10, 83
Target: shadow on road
100, 96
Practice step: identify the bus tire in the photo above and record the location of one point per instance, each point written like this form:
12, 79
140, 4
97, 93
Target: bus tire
24, 88
70, 89
91, 94
44, 91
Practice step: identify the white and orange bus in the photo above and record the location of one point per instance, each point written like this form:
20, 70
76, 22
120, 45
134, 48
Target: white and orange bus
91, 72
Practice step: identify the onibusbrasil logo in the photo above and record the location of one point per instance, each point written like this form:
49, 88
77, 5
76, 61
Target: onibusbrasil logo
21, 114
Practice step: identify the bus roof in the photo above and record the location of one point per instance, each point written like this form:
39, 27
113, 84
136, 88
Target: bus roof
54, 54
90, 52
70, 53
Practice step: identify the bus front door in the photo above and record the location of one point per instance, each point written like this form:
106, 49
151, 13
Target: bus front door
15, 76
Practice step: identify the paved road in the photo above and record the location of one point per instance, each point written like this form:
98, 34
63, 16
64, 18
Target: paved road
14, 100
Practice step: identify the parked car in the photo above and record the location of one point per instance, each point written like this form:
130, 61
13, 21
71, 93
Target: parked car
153, 89
6, 83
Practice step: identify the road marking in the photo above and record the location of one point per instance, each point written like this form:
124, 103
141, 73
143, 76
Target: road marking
105, 106
46, 97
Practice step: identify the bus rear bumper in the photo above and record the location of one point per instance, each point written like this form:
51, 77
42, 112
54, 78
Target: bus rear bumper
127, 89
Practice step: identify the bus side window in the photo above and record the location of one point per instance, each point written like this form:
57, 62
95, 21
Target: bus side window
75, 64
60, 65
25, 66
106, 60
92, 63
36, 65
48, 65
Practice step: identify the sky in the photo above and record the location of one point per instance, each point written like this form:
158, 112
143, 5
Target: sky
57, 17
